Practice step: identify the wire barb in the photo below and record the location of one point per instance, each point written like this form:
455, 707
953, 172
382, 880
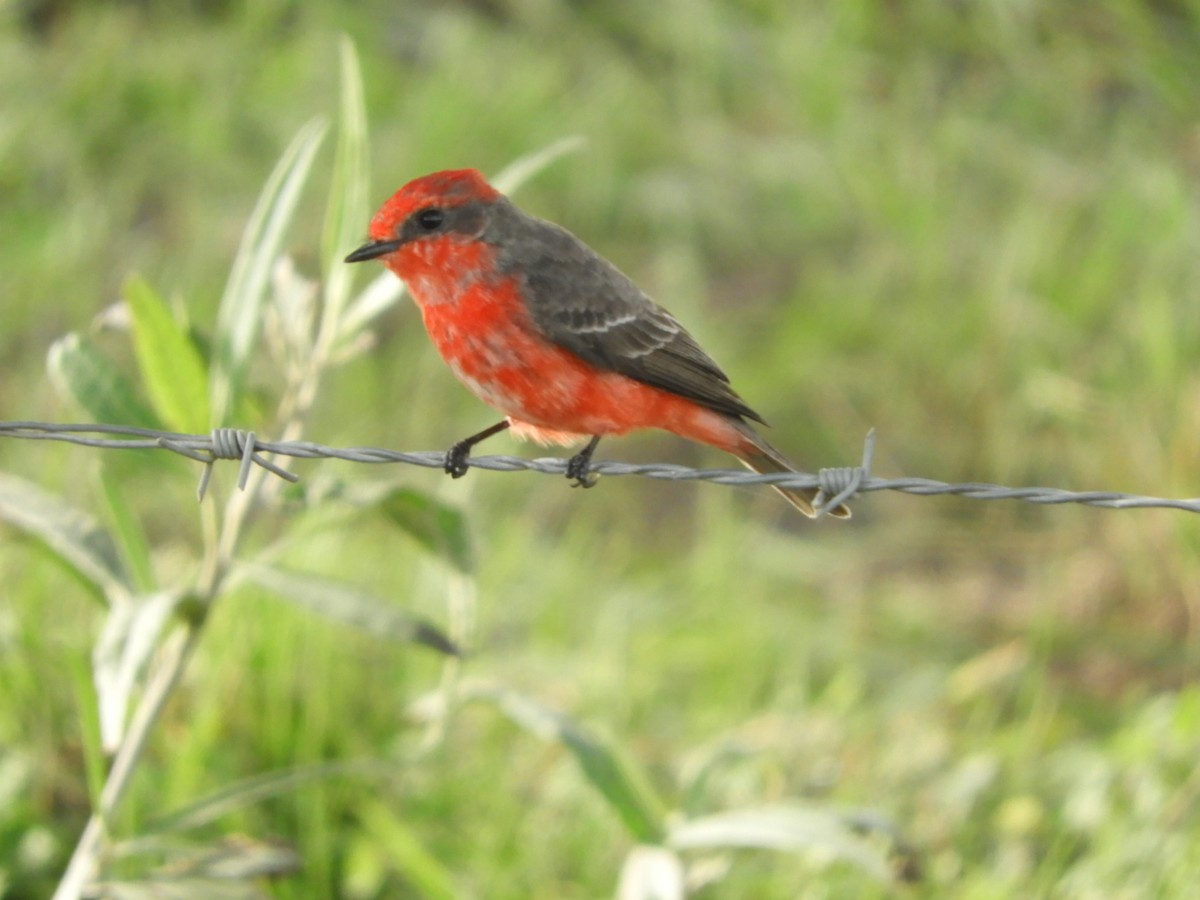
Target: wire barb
223, 443
844, 482
839, 484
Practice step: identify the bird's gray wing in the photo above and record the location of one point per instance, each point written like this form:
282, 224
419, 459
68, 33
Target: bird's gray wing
583, 303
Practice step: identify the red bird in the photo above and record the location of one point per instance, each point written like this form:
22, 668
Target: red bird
545, 330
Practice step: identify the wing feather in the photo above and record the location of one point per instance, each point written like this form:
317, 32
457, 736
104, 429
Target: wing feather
586, 305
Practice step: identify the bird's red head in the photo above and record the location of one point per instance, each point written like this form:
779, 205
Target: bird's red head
450, 204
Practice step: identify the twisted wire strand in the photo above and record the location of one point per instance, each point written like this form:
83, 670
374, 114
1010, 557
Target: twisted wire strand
838, 484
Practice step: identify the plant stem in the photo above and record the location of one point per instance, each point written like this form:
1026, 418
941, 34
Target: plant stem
172, 661
86, 856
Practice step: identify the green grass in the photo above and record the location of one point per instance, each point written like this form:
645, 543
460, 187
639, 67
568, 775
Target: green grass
971, 226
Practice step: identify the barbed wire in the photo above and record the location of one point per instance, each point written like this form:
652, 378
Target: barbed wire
838, 484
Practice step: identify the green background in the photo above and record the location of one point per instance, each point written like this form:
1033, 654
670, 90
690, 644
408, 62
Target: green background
972, 226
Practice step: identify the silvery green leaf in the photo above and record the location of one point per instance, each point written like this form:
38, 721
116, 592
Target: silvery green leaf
651, 873
346, 603
129, 637
794, 829
74, 537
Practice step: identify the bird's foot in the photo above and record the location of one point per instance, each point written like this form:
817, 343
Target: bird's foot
456, 459
577, 471
579, 466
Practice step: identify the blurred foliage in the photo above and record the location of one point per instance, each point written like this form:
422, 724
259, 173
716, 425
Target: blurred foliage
973, 225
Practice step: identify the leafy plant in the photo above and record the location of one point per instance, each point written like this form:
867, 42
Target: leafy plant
151, 628
153, 625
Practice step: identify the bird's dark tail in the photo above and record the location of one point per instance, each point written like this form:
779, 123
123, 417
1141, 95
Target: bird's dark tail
759, 456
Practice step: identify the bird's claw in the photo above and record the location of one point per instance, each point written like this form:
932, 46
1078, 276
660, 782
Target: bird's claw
577, 471
456, 459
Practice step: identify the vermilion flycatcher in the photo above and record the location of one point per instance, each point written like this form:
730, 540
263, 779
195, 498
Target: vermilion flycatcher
545, 330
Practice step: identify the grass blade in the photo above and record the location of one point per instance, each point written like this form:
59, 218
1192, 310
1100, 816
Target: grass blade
346, 211
127, 533
384, 292
257, 788
240, 313
428, 876
522, 169
625, 788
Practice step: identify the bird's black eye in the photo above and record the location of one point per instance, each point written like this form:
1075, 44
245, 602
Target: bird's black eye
431, 219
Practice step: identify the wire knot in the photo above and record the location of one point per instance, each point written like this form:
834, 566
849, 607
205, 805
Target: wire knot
236, 443
231, 443
840, 483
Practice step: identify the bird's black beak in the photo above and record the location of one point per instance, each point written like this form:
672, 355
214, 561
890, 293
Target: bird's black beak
373, 250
